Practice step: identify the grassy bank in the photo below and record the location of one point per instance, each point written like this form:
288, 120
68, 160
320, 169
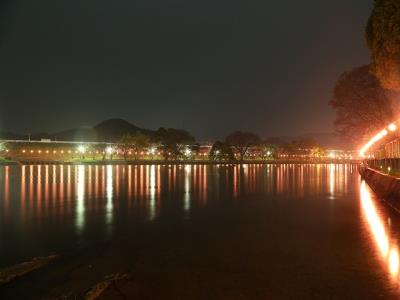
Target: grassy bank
4, 161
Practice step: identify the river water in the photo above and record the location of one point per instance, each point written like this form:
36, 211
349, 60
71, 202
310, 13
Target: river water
202, 232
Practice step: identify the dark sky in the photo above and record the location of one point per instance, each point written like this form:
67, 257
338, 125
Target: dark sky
208, 66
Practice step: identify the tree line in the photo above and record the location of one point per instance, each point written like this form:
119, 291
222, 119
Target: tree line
176, 144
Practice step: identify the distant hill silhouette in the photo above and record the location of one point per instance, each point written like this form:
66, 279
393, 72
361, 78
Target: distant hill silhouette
113, 129
107, 131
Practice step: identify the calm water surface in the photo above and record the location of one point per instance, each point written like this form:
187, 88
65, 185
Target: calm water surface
250, 231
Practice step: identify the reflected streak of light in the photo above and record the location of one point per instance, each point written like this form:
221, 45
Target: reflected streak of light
69, 185
90, 185
80, 206
235, 182
129, 183
61, 182
117, 181
169, 178
332, 179
103, 181
23, 189
279, 179
39, 184
46, 184
109, 193
302, 180
389, 253
152, 211
6, 187
54, 184
96, 182
141, 187
187, 189
158, 179
30, 185
375, 224
174, 177
135, 178
205, 189
394, 262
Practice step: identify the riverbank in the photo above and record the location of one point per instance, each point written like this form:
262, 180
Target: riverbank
384, 185
7, 162
171, 162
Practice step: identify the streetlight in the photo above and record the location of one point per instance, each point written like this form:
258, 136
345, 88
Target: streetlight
188, 152
81, 149
152, 151
109, 150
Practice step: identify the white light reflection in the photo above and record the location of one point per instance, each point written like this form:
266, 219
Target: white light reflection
394, 262
80, 205
152, 206
109, 192
332, 169
187, 189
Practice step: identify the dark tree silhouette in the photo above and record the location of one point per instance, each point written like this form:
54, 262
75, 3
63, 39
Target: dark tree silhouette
133, 142
383, 38
173, 141
301, 146
362, 105
241, 141
221, 151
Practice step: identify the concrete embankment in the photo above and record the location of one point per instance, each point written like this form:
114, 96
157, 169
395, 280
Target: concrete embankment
384, 185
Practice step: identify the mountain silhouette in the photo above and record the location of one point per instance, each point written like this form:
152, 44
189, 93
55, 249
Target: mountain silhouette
106, 131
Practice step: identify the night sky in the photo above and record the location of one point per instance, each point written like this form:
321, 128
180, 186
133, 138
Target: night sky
209, 66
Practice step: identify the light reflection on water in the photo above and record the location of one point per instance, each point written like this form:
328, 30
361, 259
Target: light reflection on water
385, 243
110, 194
80, 207
45, 189
39, 204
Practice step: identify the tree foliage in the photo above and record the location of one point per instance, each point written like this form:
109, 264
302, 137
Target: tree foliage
221, 151
3, 148
383, 38
317, 152
173, 141
362, 105
241, 141
301, 146
133, 142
